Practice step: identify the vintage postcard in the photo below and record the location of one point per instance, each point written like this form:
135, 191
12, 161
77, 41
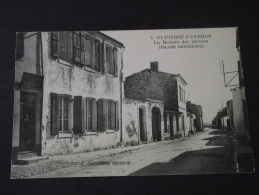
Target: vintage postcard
129, 103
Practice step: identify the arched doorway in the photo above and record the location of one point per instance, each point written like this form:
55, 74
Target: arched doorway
142, 124
156, 124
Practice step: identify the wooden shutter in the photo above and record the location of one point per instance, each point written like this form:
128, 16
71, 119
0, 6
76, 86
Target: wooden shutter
55, 44
19, 46
78, 120
104, 114
76, 47
94, 107
100, 115
115, 62
117, 115
54, 114
63, 46
88, 53
97, 55
102, 59
113, 123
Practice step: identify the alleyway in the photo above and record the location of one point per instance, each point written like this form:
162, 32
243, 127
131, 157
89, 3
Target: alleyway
208, 152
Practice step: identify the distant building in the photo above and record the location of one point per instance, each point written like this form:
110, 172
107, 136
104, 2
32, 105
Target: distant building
196, 110
168, 88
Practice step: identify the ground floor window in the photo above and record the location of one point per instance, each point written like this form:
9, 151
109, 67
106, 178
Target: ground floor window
63, 113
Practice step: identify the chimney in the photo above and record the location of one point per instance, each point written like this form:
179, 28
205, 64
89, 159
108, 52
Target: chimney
154, 66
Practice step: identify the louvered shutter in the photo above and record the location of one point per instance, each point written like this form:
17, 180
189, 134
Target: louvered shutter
97, 55
100, 115
19, 46
76, 47
54, 114
104, 114
94, 107
115, 62
78, 114
117, 115
102, 59
54, 44
113, 115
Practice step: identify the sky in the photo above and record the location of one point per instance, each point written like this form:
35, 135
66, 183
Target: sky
200, 67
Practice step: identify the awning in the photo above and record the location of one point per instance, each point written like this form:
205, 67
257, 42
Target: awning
31, 81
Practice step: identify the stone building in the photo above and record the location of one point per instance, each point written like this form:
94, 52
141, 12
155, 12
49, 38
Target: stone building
68, 93
155, 85
197, 111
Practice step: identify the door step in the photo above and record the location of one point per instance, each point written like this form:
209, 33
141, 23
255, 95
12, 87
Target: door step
26, 154
28, 157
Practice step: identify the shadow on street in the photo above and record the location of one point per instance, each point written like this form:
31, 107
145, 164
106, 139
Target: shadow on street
217, 160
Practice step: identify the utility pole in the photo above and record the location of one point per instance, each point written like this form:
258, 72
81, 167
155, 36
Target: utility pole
222, 71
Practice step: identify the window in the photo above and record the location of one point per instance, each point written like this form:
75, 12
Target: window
109, 60
82, 49
60, 109
180, 93
89, 114
61, 45
63, 113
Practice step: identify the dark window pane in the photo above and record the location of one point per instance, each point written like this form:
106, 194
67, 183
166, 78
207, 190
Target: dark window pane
65, 127
65, 102
65, 114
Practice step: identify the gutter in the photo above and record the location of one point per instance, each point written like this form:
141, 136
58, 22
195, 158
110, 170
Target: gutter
121, 80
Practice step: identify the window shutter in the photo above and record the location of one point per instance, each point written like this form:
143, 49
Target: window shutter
76, 47
113, 115
88, 53
97, 54
102, 59
78, 114
100, 115
116, 115
94, 107
115, 62
19, 46
54, 114
54, 44
63, 46
104, 114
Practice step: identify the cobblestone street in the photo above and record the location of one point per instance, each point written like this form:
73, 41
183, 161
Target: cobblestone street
208, 152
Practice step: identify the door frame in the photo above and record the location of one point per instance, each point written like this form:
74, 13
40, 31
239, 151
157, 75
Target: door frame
38, 118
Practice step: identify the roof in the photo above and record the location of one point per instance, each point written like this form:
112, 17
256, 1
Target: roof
108, 37
182, 79
148, 69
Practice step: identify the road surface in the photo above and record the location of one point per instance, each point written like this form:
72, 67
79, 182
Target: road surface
208, 152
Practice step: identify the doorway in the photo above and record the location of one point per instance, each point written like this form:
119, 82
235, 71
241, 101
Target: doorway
171, 124
156, 124
142, 124
27, 121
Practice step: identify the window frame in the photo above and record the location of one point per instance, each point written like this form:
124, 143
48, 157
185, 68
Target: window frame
61, 127
91, 100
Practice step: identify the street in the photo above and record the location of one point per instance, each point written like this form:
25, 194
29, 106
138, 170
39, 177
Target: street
209, 152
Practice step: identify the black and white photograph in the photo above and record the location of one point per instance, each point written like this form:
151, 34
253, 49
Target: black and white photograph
129, 103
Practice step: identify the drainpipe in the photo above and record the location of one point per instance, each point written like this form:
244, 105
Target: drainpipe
121, 80
42, 91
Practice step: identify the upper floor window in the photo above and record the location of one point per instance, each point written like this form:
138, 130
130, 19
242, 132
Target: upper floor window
82, 49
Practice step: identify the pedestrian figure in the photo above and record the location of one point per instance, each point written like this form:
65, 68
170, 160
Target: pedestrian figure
190, 132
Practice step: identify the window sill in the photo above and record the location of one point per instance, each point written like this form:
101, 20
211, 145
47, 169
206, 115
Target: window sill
64, 62
64, 135
88, 69
109, 131
109, 75
90, 133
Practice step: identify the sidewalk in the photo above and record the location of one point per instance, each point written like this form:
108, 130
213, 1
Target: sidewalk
243, 155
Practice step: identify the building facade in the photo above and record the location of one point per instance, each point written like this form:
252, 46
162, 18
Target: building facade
68, 92
167, 88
